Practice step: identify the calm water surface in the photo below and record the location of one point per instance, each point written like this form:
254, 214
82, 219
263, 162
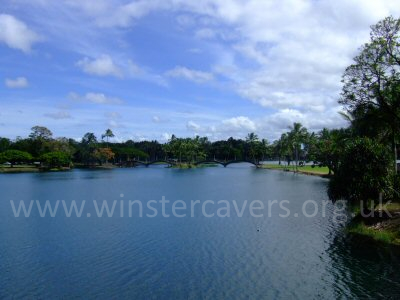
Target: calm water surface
190, 257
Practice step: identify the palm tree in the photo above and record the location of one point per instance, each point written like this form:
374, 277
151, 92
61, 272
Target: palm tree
252, 140
108, 134
297, 136
266, 149
285, 148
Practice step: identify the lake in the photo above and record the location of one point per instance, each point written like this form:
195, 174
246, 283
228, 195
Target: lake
294, 250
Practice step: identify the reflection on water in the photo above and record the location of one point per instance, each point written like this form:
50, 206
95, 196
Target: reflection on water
190, 257
365, 267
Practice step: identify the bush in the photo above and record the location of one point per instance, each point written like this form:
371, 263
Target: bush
364, 171
15, 156
56, 159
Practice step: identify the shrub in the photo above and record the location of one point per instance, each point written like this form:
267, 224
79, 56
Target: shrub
363, 173
56, 159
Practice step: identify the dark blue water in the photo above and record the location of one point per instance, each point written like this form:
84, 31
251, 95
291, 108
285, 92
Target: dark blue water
195, 256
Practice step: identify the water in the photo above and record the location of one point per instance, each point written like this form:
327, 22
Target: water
189, 257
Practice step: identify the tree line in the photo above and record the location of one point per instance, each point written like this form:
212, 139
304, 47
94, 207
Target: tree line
41, 146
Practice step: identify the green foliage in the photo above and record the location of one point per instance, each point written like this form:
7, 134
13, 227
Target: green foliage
385, 236
371, 85
128, 153
363, 172
108, 134
56, 159
289, 146
40, 132
4, 144
329, 148
186, 149
3, 158
15, 156
40, 140
87, 149
256, 148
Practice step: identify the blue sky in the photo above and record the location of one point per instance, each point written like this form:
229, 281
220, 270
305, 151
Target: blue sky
149, 69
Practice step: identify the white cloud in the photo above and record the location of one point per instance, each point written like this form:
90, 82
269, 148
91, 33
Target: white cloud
113, 115
17, 83
189, 74
299, 48
185, 20
15, 34
166, 136
60, 115
193, 126
113, 123
205, 33
137, 72
273, 125
158, 119
97, 98
102, 66
239, 123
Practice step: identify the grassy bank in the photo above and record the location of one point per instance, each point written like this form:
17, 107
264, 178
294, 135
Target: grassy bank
381, 235
309, 170
385, 230
29, 169
18, 169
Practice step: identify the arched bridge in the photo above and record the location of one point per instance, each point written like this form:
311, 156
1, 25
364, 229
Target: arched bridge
210, 161
226, 163
158, 161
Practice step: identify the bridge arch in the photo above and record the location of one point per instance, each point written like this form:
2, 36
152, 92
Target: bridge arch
241, 161
138, 162
159, 161
209, 162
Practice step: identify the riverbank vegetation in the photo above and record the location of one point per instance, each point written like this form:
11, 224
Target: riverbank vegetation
367, 167
40, 148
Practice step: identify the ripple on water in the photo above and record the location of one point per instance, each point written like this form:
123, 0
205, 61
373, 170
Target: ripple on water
184, 258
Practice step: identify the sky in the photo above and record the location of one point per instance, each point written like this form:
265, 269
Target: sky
148, 69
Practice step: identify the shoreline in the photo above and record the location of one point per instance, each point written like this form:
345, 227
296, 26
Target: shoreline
382, 224
31, 169
320, 171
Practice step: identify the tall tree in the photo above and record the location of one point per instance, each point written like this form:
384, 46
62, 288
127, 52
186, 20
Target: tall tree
40, 138
373, 81
88, 147
255, 146
5, 144
108, 134
297, 136
41, 132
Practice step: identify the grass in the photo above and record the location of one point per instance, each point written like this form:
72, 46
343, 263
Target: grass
27, 169
18, 168
304, 169
390, 207
386, 230
382, 235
